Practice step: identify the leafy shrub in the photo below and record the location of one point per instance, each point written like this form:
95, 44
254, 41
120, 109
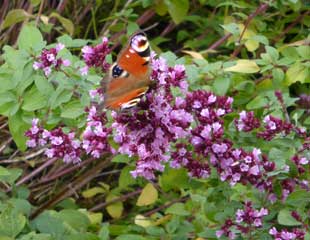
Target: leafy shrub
218, 148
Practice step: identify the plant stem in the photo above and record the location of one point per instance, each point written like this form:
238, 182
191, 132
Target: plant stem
36, 171
119, 199
71, 188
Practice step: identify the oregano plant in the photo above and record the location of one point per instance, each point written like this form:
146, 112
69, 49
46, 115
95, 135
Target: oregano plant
217, 148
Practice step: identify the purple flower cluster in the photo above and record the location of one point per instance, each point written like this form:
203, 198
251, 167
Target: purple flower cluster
166, 76
226, 230
274, 126
284, 234
35, 135
97, 95
184, 158
96, 56
61, 145
247, 122
95, 136
249, 217
233, 164
300, 162
48, 60
149, 133
246, 220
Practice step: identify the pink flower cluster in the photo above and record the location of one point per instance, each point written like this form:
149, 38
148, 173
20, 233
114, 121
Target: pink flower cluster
96, 57
233, 164
35, 135
246, 220
150, 133
274, 126
249, 216
95, 136
181, 157
48, 60
301, 158
284, 234
247, 121
61, 145
301, 161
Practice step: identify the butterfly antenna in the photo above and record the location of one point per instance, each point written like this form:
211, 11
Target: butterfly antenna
150, 27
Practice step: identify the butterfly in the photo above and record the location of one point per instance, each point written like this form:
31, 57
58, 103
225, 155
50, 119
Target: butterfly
129, 76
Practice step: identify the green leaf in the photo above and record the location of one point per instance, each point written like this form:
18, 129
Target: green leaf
125, 178
115, 210
59, 96
148, 196
14, 174
273, 53
9, 109
65, 22
21, 205
15, 59
36, 236
243, 66
6, 97
77, 220
35, 2
130, 237
44, 87
142, 221
49, 223
104, 232
174, 179
14, 16
6, 238
278, 156
17, 128
121, 158
160, 7
297, 72
221, 85
177, 9
30, 38
232, 28
298, 198
177, 209
304, 52
3, 172
34, 100
251, 45
91, 192
6, 82
81, 236
285, 218
132, 27
72, 110
257, 102
25, 80
11, 222
278, 76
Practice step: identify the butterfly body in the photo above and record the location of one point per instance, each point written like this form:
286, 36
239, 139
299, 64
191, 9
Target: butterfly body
129, 77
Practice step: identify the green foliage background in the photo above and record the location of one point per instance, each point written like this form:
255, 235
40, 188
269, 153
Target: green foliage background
100, 200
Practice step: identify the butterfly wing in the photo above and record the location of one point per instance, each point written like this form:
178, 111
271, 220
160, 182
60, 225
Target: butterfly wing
130, 75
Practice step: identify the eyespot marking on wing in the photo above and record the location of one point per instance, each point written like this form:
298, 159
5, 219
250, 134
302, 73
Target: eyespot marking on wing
117, 71
139, 43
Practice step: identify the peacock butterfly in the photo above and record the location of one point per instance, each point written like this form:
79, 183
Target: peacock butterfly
129, 76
